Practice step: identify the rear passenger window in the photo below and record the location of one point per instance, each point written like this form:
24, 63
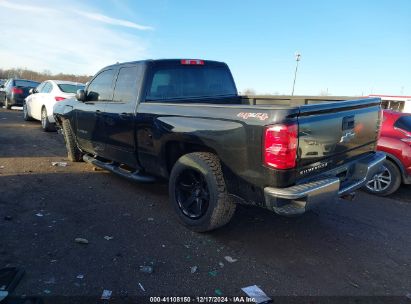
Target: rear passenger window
101, 88
47, 88
126, 85
40, 87
403, 123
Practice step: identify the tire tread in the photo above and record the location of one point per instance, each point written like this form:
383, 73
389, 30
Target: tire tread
73, 152
225, 207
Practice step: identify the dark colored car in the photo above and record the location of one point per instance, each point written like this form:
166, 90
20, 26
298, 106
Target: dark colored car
16, 90
395, 141
182, 120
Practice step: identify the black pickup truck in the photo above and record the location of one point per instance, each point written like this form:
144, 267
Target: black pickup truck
182, 120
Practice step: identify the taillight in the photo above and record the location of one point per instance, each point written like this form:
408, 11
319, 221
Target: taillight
280, 146
192, 61
59, 98
17, 91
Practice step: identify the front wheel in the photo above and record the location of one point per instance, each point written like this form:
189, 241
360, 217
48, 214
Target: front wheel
46, 125
73, 152
26, 115
198, 192
386, 182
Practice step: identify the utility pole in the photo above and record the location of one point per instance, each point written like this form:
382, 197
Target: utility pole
297, 59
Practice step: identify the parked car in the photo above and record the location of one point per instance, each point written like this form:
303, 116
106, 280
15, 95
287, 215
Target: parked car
182, 120
2, 92
395, 141
16, 90
39, 104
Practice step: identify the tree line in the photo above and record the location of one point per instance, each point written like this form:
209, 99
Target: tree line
41, 76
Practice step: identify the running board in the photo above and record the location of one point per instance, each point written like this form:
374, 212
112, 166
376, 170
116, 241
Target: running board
115, 168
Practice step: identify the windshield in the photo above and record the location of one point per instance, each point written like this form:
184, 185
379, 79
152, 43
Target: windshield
26, 83
70, 88
191, 82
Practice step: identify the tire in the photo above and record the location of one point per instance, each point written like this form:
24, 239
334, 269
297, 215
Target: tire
26, 115
46, 125
73, 152
198, 192
6, 104
387, 182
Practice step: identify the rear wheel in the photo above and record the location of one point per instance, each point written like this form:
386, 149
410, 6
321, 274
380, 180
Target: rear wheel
386, 182
73, 152
198, 192
46, 125
7, 104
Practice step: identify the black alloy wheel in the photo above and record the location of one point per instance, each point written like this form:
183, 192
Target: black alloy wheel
192, 193
198, 193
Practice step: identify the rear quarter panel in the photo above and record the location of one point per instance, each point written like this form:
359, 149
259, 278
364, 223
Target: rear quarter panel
400, 150
233, 132
64, 110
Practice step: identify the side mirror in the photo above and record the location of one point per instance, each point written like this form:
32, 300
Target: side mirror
32, 91
81, 95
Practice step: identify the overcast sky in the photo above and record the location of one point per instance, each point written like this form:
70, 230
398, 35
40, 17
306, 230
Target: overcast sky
347, 47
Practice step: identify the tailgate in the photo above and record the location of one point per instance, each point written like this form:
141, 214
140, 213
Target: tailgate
331, 134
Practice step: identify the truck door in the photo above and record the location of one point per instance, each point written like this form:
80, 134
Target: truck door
119, 116
90, 129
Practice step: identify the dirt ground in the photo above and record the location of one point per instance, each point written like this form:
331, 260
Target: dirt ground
359, 248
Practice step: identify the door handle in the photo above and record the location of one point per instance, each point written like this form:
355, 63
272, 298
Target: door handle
98, 112
125, 115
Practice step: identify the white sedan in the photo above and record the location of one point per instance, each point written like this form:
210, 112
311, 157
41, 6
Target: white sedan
39, 104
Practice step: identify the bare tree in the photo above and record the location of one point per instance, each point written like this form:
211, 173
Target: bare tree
324, 93
24, 73
249, 92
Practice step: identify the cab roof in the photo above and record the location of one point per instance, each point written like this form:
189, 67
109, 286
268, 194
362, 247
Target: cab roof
181, 61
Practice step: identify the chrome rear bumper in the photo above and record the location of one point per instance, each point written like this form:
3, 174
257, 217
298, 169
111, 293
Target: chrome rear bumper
297, 199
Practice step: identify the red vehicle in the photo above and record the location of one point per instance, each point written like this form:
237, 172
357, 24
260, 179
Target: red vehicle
395, 141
